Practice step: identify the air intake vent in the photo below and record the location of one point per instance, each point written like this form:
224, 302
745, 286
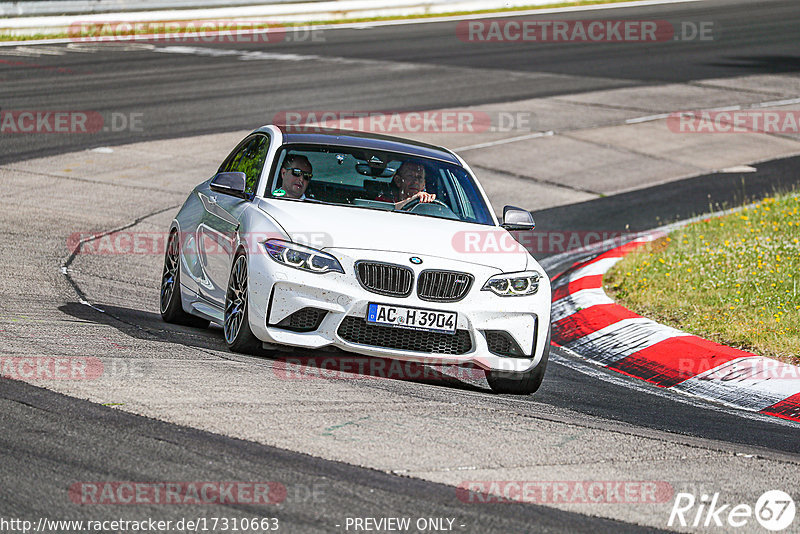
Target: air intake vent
443, 286
357, 330
305, 320
502, 344
385, 278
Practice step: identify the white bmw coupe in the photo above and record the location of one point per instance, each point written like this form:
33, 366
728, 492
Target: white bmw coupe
371, 244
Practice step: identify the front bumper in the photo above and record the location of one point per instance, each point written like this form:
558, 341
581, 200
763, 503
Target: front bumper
277, 292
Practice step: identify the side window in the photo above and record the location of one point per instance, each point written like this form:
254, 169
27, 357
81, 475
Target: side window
249, 159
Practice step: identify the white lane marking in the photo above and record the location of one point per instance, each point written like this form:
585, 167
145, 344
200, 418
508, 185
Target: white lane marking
257, 55
245, 55
779, 103
634, 120
587, 367
109, 47
29, 51
534, 135
737, 107
45, 50
647, 118
738, 169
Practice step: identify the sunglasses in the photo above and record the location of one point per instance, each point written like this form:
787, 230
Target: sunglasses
300, 172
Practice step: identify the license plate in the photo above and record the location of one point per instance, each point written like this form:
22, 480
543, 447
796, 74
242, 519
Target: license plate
412, 318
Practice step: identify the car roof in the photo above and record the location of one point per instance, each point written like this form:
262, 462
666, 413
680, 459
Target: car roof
328, 136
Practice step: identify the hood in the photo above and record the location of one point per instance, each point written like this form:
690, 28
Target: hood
325, 226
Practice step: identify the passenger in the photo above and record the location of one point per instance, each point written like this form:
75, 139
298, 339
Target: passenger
295, 175
408, 184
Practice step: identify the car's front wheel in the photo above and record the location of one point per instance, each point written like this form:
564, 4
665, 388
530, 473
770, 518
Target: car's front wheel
520, 383
236, 326
170, 297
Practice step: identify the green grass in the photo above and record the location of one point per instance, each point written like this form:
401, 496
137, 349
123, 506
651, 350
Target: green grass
63, 35
32, 37
733, 279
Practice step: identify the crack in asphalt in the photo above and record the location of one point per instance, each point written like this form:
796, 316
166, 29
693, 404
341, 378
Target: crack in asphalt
84, 298
626, 150
707, 85
88, 181
536, 180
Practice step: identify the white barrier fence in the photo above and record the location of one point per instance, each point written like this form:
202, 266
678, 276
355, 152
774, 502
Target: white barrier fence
40, 8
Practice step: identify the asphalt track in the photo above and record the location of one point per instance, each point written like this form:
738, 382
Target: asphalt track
50, 441
320, 496
189, 94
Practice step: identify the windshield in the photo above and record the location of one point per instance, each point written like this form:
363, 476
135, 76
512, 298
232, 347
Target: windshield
365, 178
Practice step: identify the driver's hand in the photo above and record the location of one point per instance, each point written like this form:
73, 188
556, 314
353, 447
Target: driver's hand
424, 197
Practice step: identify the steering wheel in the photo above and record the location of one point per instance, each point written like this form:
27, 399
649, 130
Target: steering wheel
416, 202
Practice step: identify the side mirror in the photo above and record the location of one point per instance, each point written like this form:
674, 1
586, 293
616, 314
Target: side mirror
230, 183
517, 219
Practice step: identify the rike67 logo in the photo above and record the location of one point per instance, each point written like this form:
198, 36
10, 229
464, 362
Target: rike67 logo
774, 510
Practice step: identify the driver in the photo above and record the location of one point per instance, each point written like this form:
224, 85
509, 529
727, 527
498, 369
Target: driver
295, 175
408, 184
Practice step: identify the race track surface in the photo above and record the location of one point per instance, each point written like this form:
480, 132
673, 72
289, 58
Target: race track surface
183, 89
180, 407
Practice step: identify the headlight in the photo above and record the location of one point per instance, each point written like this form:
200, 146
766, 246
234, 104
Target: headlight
303, 258
513, 284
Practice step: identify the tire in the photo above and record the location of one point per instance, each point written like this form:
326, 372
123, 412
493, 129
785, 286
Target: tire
170, 296
520, 383
236, 326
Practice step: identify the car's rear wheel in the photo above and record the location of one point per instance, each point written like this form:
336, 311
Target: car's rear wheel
520, 383
170, 305
236, 326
